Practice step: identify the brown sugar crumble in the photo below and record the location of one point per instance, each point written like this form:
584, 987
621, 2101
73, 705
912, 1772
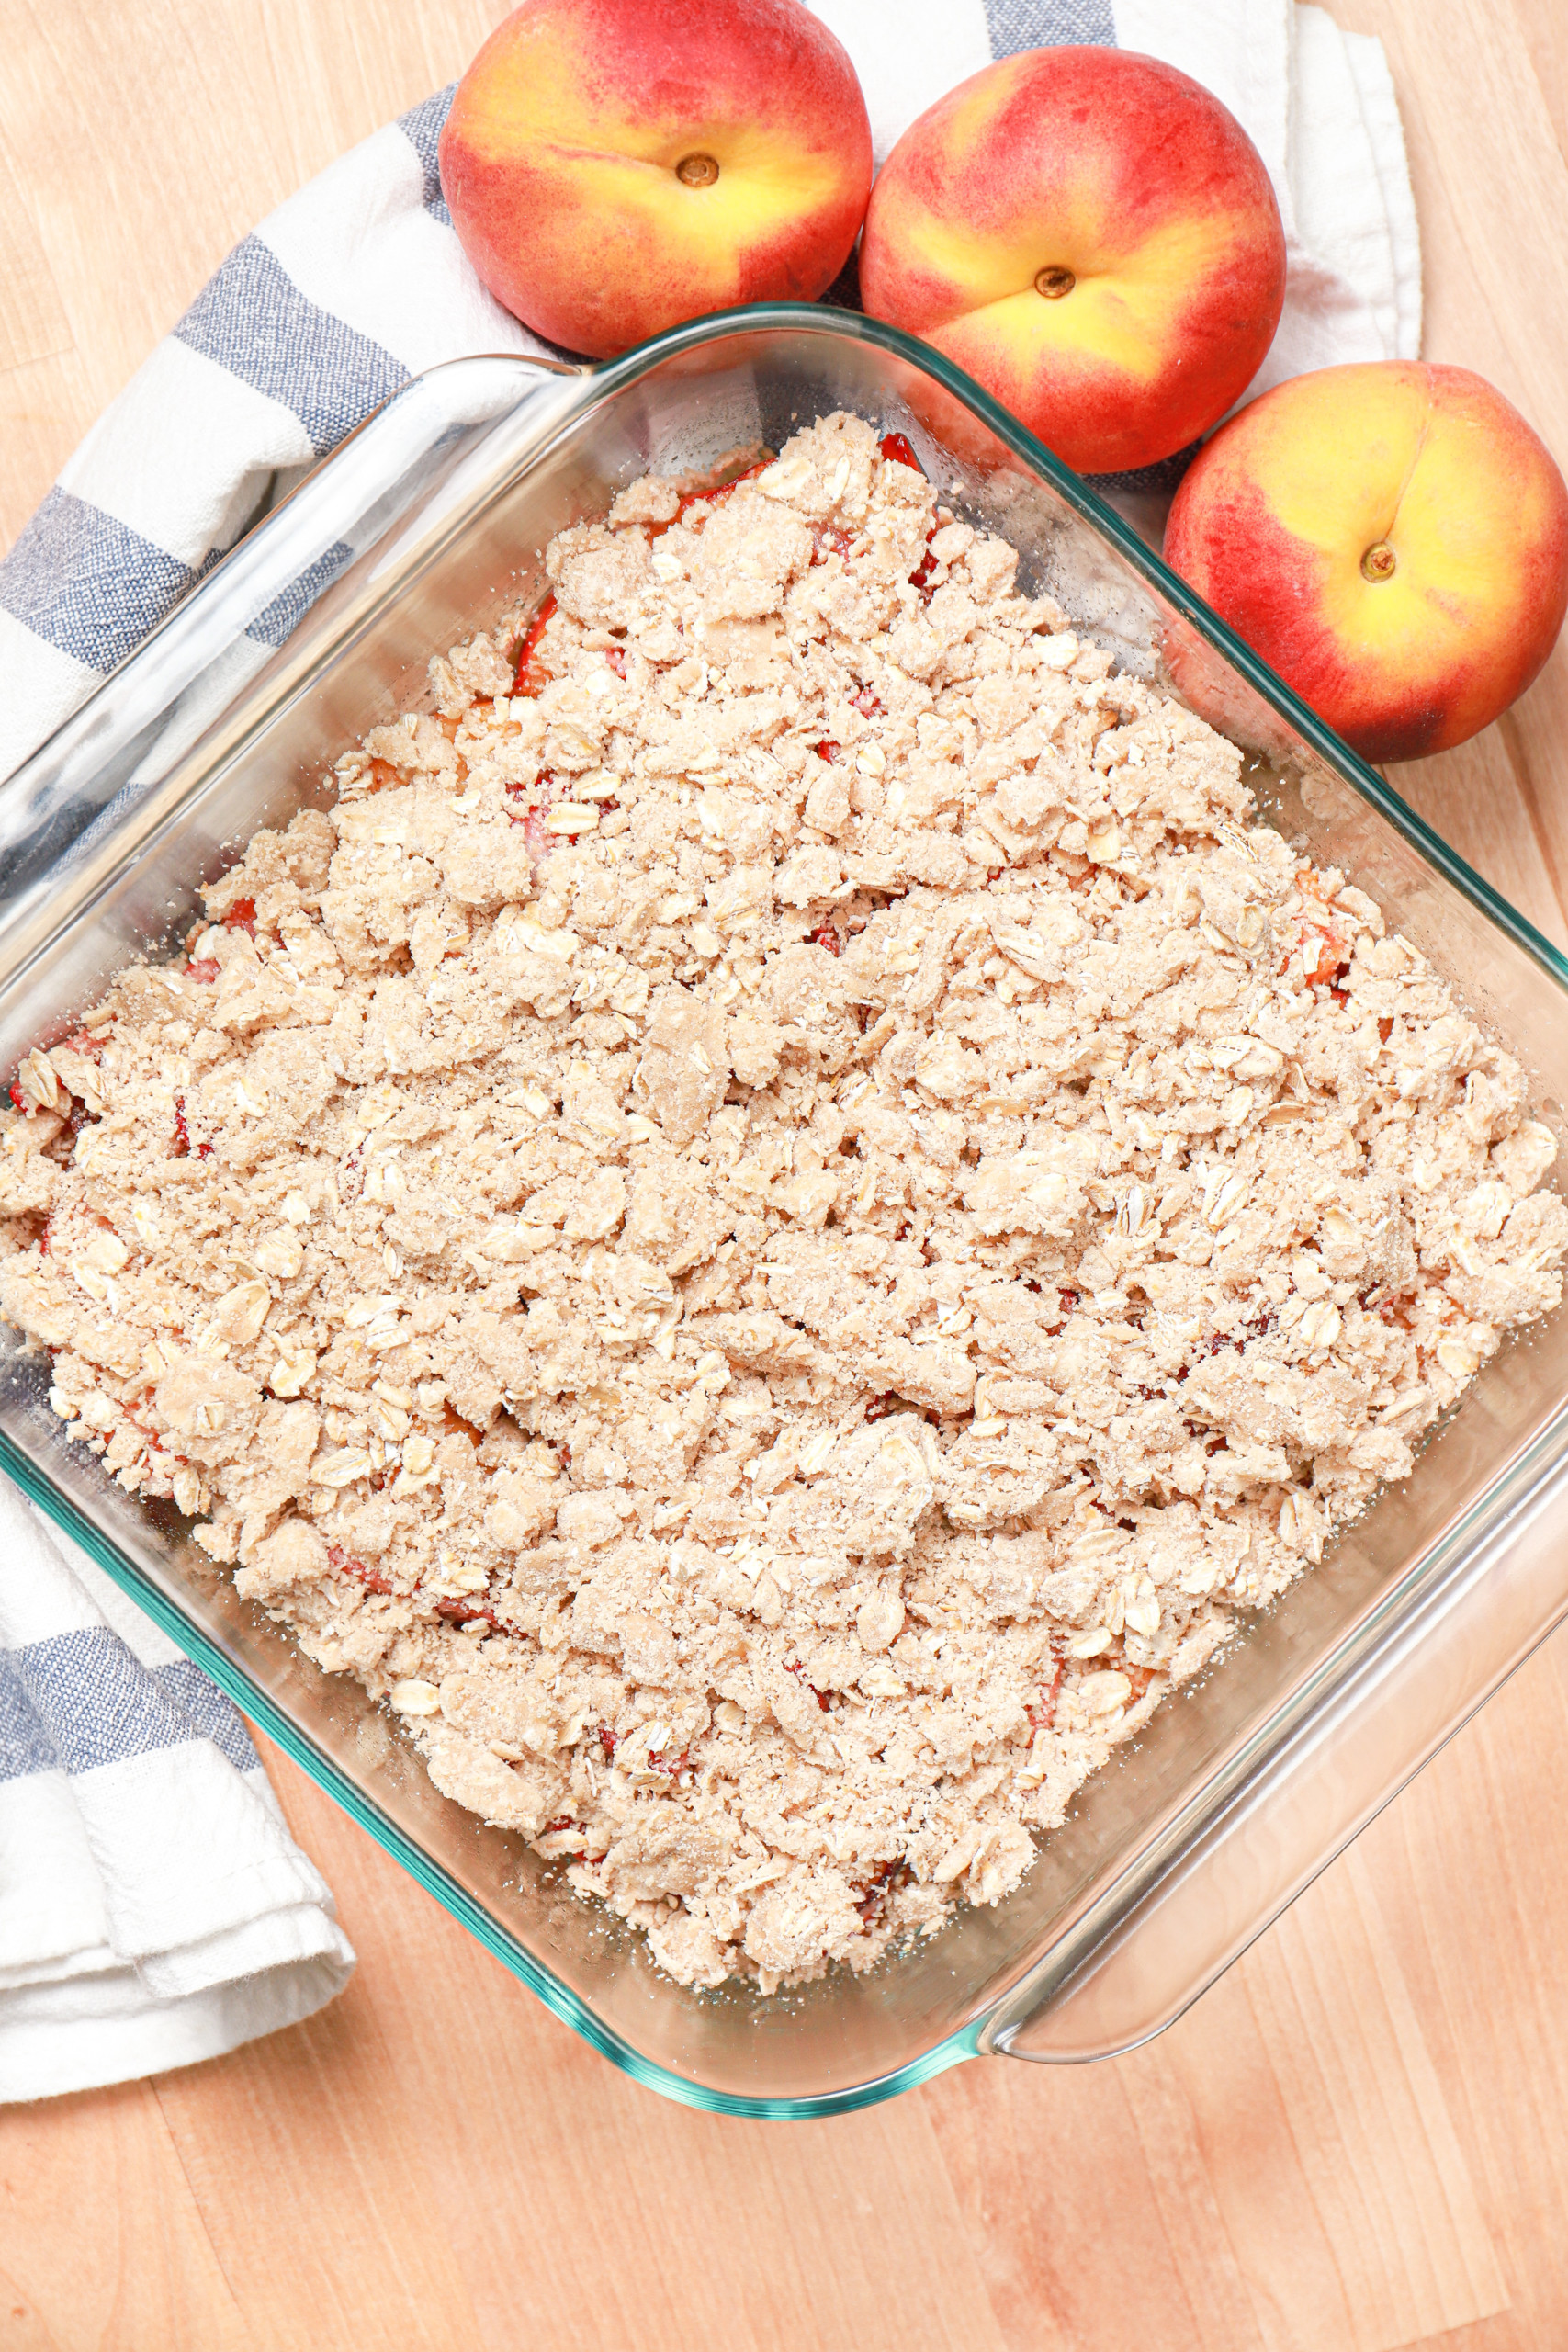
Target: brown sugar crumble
777, 1219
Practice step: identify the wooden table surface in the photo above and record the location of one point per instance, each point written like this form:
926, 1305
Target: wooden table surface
1358, 2139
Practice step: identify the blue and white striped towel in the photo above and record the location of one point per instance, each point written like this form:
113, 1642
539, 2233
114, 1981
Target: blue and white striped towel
153, 1908
144, 1867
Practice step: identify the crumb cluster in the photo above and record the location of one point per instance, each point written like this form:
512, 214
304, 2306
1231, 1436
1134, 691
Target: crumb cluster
777, 1218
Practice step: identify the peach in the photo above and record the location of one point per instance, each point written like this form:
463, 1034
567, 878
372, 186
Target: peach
1393, 539
1094, 238
613, 166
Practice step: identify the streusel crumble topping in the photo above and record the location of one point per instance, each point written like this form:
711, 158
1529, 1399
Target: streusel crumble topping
778, 1218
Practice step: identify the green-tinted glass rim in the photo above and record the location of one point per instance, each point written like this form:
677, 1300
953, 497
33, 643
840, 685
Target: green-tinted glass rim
1081, 496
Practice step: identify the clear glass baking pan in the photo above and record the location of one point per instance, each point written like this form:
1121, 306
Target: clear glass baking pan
420, 528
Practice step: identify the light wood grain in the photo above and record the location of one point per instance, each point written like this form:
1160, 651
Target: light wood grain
1355, 2142
33, 324
1490, 179
1543, 26
101, 2241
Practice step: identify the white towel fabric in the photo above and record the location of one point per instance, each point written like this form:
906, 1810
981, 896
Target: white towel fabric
154, 1908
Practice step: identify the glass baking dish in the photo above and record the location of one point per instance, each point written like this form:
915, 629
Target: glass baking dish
422, 526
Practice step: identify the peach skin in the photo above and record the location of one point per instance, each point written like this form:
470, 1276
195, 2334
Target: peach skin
1094, 238
1393, 539
614, 166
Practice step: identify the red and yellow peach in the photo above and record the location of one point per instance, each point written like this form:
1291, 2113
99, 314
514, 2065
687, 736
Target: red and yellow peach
1094, 238
614, 166
1393, 538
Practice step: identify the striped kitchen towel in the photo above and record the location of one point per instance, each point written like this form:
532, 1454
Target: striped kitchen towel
153, 1908
358, 282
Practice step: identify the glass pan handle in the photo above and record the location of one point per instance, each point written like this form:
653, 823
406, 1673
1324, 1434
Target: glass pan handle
135, 727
